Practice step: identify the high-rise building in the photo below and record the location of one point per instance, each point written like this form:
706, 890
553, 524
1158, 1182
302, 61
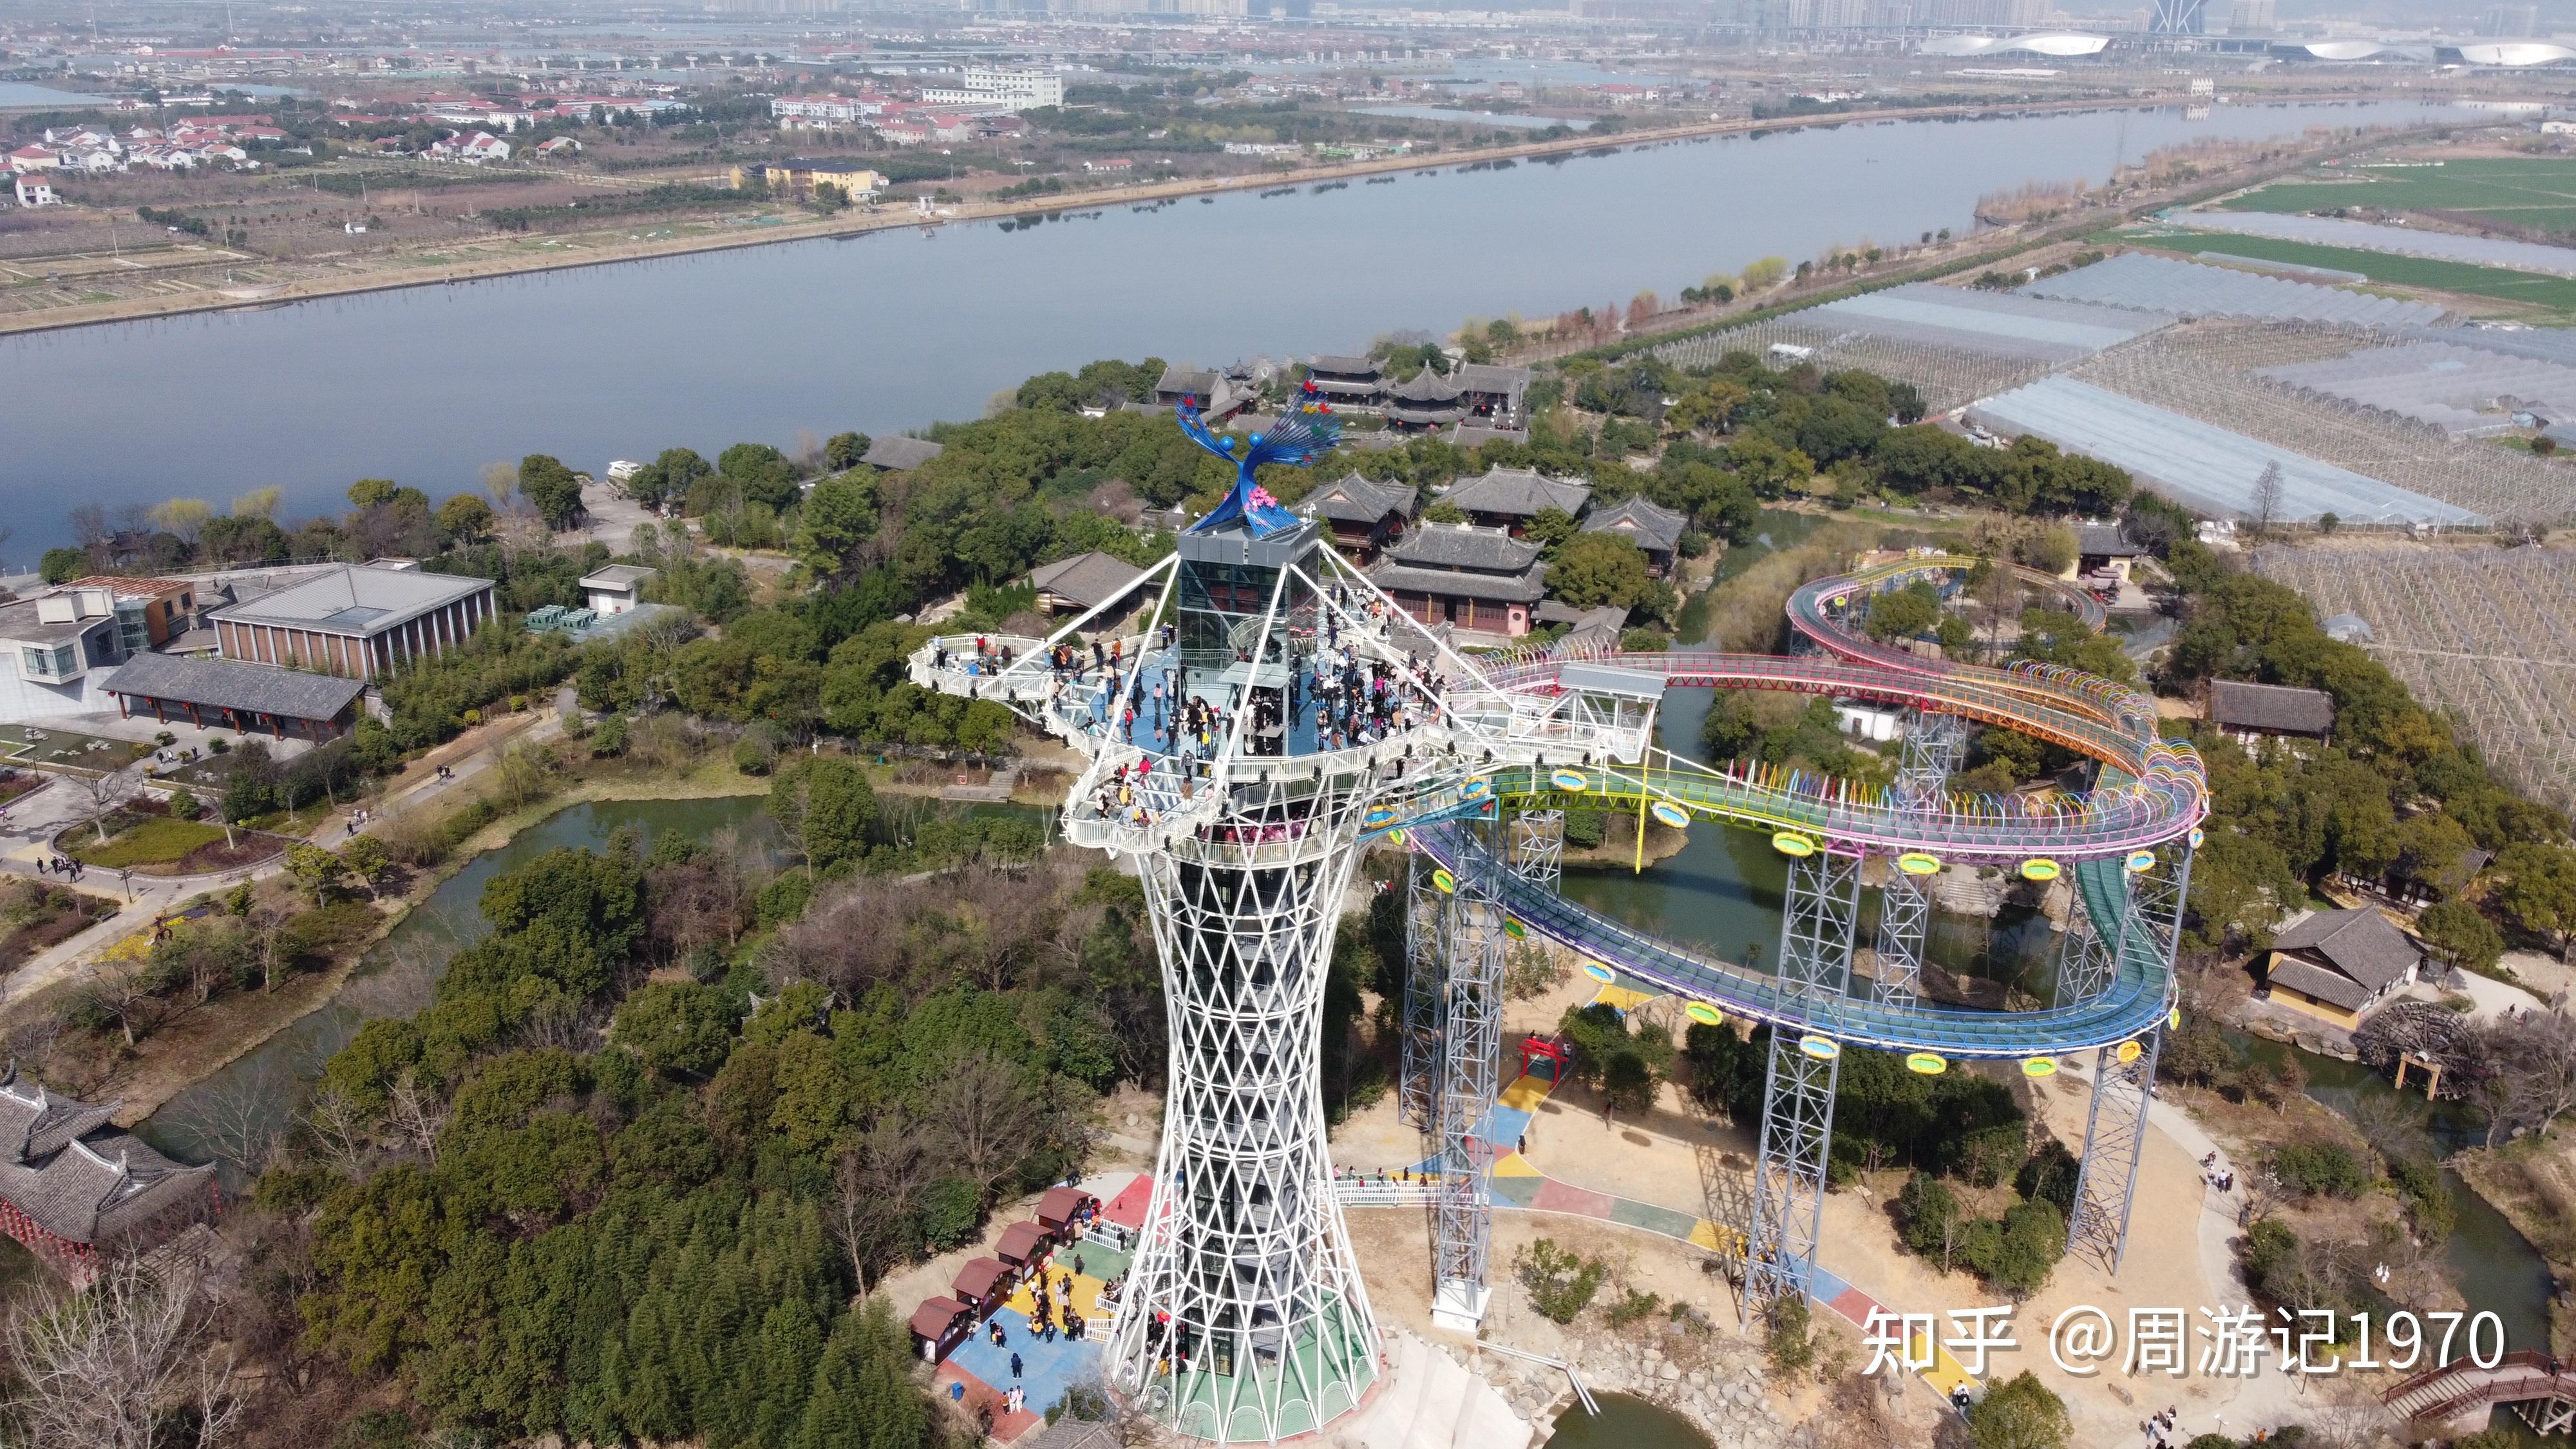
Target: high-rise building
2252, 17
2177, 17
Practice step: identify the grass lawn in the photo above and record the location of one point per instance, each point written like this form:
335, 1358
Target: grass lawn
156, 840
2556, 294
2526, 191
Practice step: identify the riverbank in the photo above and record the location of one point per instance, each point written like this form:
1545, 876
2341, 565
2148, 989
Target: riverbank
2532, 1183
204, 1040
568, 252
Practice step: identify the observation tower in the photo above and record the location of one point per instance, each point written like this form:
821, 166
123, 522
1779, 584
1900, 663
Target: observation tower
1253, 712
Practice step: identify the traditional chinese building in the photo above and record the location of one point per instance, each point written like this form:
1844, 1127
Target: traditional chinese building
1422, 402
73, 1186
1475, 578
1363, 514
1508, 498
1654, 530
1353, 384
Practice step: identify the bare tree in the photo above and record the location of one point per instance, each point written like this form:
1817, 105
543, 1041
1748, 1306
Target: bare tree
121, 991
106, 1368
2534, 1058
416, 1114
238, 1117
338, 1131
100, 796
984, 1116
2266, 508
876, 1185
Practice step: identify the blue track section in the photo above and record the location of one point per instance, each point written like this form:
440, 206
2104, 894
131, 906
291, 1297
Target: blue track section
2135, 1003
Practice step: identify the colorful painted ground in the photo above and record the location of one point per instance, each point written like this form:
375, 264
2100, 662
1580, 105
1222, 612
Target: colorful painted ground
978, 1374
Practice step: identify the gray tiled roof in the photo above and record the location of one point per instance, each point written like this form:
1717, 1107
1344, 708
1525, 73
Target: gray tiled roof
899, 454
1348, 366
1485, 377
1473, 435
2270, 707
1649, 526
2332, 987
2360, 944
2104, 540
1354, 499
1463, 546
235, 684
78, 1178
1517, 492
1391, 576
1086, 580
357, 600
1425, 386
1197, 381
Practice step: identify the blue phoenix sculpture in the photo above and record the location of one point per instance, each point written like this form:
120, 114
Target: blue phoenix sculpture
1304, 432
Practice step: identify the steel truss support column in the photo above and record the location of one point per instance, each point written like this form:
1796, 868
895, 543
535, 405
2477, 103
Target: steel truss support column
1935, 744
1816, 932
2115, 1127
1471, 1038
2115, 1132
2087, 956
1538, 847
1426, 955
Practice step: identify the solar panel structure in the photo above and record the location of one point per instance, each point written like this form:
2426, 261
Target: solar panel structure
2464, 391
2200, 466
2164, 284
2403, 241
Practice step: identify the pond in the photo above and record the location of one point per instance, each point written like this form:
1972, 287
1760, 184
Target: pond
1721, 893
250, 1100
1625, 1423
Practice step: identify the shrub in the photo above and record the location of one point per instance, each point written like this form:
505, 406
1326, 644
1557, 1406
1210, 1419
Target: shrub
1786, 1339
2320, 1169
184, 805
1560, 1282
1632, 1306
2021, 1413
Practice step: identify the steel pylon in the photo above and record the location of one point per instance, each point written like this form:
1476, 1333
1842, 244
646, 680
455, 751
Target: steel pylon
2115, 1126
1426, 951
1816, 931
1934, 746
1538, 846
1471, 1049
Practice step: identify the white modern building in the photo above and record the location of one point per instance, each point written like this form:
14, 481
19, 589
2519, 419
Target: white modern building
993, 87
55, 652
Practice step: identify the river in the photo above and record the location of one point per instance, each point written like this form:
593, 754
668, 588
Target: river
894, 330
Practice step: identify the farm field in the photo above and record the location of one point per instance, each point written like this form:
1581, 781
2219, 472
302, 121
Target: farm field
2485, 634
2534, 192
2525, 289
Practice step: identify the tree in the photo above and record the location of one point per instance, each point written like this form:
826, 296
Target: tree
667, 478
825, 806
2459, 937
1929, 1217
102, 796
370, 860
62, 565
259, 503
551, 489
2265, 509
1763, 275
839, 516
2020, 1413
983, 1114
185, 517
131, 1363
763, 473
2539, 889
1593, 569
1904, 613
842, 451
371, 492
313, 868
465, 518
676, 1027
1549, 528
